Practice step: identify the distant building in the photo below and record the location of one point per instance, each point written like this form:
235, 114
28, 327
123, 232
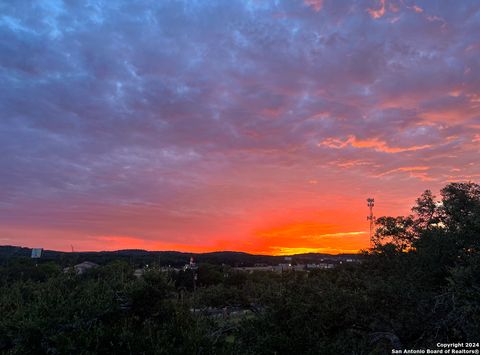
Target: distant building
320, 266
278, 268
138, 272
284, 266
299, 267
251, 269
82, 267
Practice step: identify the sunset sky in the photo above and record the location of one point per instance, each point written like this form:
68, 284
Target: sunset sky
249, 125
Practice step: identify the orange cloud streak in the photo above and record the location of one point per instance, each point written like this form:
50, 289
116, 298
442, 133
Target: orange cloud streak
374, 143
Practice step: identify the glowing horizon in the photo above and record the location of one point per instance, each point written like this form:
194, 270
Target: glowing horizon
255, 126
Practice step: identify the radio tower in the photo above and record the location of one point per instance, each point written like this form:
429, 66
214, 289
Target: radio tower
371, 217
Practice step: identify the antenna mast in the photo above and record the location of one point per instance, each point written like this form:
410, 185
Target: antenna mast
371, 217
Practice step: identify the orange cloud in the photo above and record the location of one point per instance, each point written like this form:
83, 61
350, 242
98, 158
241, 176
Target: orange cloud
406, 168
377, 13
457, 113
419, 172
422, 176
374, 143
305, 231
417, 9
315, 4
296, 229
351, 163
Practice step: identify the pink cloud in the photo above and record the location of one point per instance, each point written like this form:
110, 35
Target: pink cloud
379, 12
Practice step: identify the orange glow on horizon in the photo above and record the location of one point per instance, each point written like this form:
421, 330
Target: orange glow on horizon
294, 251
310, 237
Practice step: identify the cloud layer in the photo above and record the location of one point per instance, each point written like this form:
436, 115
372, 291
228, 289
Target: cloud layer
203, 125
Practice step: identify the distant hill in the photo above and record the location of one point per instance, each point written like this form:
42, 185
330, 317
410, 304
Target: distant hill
173, 258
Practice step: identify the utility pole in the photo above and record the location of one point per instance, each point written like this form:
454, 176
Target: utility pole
371, 218
194, 268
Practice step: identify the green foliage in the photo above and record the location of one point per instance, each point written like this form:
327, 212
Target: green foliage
209, 274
